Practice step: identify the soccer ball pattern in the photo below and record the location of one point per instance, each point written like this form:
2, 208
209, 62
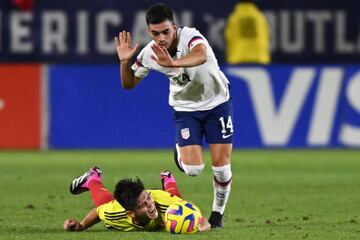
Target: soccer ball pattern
183, 217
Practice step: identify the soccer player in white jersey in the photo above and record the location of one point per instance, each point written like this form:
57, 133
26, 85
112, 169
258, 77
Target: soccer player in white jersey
199, 95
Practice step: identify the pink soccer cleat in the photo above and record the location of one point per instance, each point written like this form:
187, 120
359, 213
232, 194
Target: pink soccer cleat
81, 183
166, 178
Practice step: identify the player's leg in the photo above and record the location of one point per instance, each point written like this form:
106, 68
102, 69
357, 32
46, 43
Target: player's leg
219, 134
168, 183
188, 151
91, 181
191, 159
221, 166
99, 194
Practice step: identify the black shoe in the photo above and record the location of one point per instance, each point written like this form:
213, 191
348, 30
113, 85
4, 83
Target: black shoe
216, 220
177, 157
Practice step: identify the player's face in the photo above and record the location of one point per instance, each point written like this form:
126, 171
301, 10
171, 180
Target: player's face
146, 207
164, 34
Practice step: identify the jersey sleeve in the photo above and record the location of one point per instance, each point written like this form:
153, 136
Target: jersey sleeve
192, 38
106, 208
139, 68
114, 216
101, 212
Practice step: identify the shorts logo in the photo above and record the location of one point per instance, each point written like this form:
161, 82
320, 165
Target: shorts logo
185, 133
226, 136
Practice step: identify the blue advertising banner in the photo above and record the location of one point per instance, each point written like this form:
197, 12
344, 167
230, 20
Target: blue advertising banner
89, 109
57, 31
296, 106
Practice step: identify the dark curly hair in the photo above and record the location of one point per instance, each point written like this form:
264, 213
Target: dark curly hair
127, 192
158, 13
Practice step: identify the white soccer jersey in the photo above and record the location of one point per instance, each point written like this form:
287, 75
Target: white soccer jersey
191, 89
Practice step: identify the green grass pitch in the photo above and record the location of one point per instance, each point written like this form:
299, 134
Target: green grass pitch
276, 194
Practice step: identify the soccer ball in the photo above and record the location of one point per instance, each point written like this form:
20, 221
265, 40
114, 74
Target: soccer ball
182, 217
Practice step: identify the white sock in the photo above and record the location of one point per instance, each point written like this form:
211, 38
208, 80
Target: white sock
193, 170
190, 170
222, 187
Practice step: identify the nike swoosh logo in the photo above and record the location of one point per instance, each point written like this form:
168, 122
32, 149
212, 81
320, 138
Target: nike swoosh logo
226, 136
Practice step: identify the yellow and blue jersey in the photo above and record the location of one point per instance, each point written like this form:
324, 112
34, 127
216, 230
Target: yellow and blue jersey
114, 215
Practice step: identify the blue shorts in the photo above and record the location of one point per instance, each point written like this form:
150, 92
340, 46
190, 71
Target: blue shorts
215, 124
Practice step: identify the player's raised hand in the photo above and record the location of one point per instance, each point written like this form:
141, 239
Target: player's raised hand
161, 56
123, 46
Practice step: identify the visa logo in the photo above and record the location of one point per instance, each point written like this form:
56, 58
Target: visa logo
276, 122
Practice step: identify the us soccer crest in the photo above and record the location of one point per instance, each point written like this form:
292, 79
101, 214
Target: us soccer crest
185, 133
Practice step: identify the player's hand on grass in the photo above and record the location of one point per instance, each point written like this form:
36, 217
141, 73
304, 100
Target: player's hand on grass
204, 225
161, 56
72, 225
123, 46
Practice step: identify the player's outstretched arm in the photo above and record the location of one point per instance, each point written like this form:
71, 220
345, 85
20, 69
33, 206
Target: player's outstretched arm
126, 53
89, 220
196, 57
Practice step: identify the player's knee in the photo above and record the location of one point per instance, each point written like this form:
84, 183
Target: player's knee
222, 174
193, 170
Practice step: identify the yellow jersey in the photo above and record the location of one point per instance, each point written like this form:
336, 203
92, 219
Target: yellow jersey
114, 215
247, 36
